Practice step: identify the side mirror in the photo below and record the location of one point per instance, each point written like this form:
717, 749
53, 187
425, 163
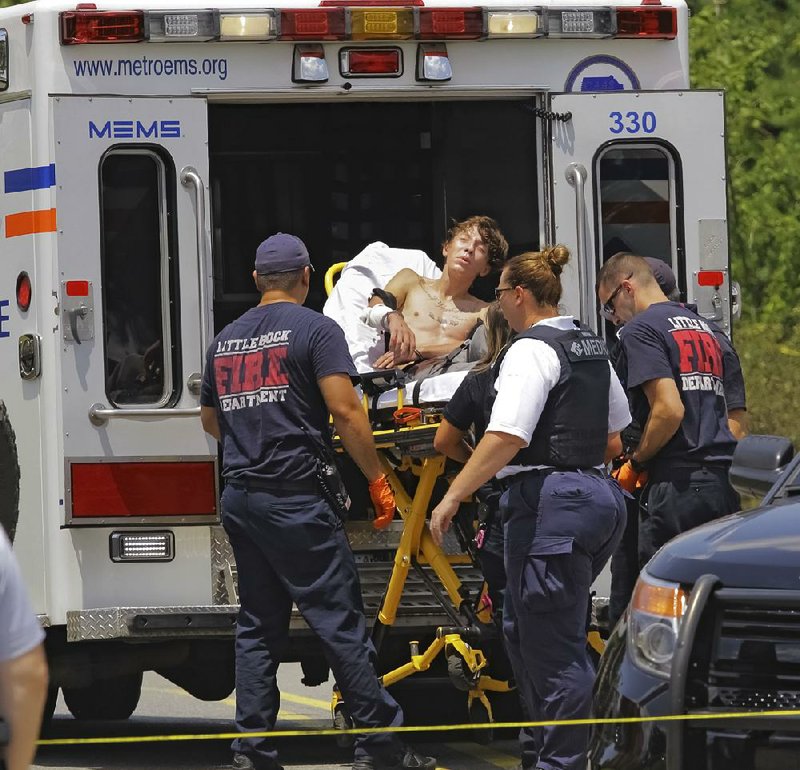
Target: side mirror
758, 463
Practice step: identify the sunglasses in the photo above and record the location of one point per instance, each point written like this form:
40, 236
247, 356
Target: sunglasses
607, 308
498, 292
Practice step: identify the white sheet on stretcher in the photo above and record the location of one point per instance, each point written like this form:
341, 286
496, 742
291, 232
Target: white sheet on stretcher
371, 268
436, 389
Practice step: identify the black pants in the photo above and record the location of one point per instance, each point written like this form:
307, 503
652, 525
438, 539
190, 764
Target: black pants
679, 499
625, 562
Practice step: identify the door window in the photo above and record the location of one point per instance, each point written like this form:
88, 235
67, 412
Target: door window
136, 274
636, 203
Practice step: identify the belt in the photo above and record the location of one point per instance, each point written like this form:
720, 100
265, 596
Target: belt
507, 481
308, 487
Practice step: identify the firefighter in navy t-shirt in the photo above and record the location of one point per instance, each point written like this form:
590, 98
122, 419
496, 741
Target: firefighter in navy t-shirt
270, 381
671, 365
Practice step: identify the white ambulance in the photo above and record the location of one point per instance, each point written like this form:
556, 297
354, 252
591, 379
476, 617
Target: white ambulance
147, 147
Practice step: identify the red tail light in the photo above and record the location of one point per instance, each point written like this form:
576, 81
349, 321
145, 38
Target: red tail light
79, 27
312, 24
24, 291
143, 489
450, 24
710, 278
647, 22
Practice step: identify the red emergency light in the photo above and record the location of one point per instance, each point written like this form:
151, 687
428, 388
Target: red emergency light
312, 24
92, 26
371, 61
647, 22
24, 291
710, 278
450, 24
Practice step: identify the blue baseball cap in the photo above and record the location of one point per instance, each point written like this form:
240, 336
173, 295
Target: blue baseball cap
663, 274
281, 253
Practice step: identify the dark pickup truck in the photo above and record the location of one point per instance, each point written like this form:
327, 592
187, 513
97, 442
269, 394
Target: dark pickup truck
713, 629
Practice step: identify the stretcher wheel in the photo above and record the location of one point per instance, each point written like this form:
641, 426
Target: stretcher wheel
460, 675
480, 715
342, 721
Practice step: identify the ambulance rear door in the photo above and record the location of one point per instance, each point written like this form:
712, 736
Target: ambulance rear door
134, 322
642, 171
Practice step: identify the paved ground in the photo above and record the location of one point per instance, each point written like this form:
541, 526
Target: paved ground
167, 710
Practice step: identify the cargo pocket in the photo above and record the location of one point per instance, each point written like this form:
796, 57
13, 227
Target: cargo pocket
555, 574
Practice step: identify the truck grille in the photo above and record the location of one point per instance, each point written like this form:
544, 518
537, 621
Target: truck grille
755, 661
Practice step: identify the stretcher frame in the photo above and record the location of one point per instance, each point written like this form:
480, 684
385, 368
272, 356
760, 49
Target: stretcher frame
416, 548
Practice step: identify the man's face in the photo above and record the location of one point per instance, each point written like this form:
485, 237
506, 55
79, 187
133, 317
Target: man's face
467, 253
617, 302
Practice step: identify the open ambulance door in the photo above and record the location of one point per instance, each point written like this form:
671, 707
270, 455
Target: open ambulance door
134, 319
643, 172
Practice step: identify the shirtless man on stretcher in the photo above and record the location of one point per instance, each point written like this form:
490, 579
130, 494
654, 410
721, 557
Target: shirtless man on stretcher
433, 316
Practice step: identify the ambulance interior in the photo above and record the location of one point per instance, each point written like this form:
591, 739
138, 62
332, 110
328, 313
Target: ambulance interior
342, 176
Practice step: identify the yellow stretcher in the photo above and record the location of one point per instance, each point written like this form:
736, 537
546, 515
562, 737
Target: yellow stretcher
406, 445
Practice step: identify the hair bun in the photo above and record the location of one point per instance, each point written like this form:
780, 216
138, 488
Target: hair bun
557, 257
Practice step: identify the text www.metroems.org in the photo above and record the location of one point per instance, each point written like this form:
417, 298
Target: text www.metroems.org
147, 67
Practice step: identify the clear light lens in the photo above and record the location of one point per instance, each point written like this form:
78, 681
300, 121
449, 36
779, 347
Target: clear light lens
433, 63
246, 26
577, 21
150, 546
654, 620
310, 65
175, 27
582, 22
511, 24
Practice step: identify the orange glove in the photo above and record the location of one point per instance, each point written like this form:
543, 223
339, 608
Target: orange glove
383, 501
628, 478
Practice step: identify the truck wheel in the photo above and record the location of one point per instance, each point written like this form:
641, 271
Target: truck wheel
106, 698
9, 475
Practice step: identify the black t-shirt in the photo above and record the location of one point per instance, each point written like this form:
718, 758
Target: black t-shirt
468, 405
670, 341
261, 376
732, 377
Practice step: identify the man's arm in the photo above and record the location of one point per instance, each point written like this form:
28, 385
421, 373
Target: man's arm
23, 691
613, 447
402, 342
666, 415
494, 451
450, 442
208, 418
738, 423
351, 423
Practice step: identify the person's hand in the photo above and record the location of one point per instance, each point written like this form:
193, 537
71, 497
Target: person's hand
383, 501
402, 341
441, 517
385, 361
629, 479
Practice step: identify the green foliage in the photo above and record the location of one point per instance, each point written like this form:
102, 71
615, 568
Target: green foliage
751, 48
770, 362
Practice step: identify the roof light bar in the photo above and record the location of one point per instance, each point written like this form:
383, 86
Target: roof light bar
91, 26
582, 22
513, 24
450, 23
180, 26
312, 24
247, 26
371, 62
647, 22
381, 23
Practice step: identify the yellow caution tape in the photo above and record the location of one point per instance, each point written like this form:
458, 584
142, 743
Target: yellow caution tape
413, 728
